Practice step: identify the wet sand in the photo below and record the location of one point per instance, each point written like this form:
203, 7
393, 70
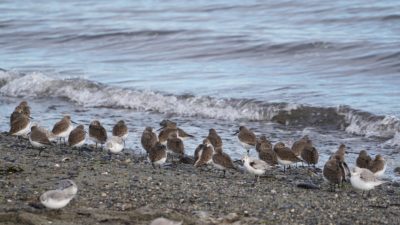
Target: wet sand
127, 190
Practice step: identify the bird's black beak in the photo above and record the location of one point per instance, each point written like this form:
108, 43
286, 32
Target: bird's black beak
160, 128
236, 132
73, 122
30, 117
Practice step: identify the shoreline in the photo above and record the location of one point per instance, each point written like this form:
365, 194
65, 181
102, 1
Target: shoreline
127, 190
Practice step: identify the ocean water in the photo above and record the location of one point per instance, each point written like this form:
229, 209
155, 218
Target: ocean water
327, 69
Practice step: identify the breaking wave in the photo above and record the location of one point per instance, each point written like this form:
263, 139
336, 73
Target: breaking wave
93, 94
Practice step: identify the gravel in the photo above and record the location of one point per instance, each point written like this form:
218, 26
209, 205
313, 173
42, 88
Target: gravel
127, 190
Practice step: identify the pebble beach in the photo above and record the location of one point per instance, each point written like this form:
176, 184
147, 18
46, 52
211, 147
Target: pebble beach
127, 190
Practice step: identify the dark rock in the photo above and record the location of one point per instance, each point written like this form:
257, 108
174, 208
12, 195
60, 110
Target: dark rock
307, 186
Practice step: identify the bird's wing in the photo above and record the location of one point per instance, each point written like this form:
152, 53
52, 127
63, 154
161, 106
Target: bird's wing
59, 127
367, 176
40, 137
259, 164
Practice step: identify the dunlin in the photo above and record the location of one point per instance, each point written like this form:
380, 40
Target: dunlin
265, 152
183, 135
363, 179
158, 155
38, 138
310, 155
299, 145
15, 114
340, 152
22, 108
120, 130
204, 154
175, 145
97, 133
48, 133
20, 126
166, 123
284, 155
197, 152
334, 172
164, 221
246, 138
165, 133
222, 161
378, 166
363, 159
255, 166
214, 139
25, 108
57, 199
149, 139
77, 137
168, 127
115, 144
62, 128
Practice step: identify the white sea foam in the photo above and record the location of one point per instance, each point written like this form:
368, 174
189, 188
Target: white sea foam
91, 94
369, 125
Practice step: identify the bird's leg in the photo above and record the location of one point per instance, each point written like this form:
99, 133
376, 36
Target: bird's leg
96, 146
224, 174
152, 164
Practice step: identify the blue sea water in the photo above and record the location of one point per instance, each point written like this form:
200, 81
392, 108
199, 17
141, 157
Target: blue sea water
232, 61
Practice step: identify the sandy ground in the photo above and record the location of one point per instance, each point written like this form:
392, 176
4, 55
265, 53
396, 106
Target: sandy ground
127, 190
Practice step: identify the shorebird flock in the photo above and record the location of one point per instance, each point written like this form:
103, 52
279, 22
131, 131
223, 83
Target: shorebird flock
169, 143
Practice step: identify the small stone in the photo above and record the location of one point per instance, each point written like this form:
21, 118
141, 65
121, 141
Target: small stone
57, 165
65, 159
103, 194
104, 173
126, 206
246, 213
292, 210
181, 200
9, 200
231, 217
273, 191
